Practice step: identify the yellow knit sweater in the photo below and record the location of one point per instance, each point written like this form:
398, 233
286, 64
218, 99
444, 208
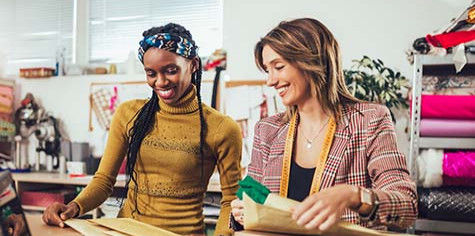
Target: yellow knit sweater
169, 187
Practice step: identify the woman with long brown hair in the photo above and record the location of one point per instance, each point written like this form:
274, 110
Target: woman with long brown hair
336, 154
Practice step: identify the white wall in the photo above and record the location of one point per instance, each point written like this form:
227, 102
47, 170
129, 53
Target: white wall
379, 29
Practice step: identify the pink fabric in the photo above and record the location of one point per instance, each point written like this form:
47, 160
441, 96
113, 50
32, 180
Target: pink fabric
459, 168
4, 90
448, 106
447, 128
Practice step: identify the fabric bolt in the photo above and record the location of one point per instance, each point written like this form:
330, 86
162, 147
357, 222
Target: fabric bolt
6, 91
429, 168
255, 190
363, 153
448, 107
459, 168
447, 203
447, 128
451, 91
171, 176
437, 168
5, 101
447, 40
6, 117
448, 85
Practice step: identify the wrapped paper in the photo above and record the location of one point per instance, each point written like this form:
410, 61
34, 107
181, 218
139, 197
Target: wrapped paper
275, 216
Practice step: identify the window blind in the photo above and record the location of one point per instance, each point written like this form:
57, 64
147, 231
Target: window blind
116, 26
32, 31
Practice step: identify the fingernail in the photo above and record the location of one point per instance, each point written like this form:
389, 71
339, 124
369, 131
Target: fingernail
61, 225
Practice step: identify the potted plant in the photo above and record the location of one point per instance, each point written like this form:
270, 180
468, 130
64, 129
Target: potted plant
370, 80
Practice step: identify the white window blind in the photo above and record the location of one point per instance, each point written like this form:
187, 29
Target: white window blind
116, 26
32, 31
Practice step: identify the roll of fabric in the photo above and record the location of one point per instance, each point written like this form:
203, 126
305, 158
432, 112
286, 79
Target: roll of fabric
429, 165
449, 85
447, 128
437, 168
448, 107
451, 91
447, 203
458, 168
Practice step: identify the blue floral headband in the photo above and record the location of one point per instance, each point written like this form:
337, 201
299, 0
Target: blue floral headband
169, 42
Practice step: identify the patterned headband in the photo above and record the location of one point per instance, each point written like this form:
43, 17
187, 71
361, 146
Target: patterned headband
169, 42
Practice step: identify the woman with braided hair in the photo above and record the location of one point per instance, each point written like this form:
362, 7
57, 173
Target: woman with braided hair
172, 141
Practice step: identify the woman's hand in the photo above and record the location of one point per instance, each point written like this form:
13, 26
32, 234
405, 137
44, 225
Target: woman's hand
322, 210
16, 225
237, 210
57, 213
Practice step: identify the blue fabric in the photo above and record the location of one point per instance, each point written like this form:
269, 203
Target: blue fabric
169, 42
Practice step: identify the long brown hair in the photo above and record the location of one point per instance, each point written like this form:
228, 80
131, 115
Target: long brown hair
310, 46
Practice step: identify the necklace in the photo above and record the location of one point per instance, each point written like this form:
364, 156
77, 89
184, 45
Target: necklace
310, 141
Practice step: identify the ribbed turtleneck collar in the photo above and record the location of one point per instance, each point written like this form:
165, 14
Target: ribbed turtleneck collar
186, 104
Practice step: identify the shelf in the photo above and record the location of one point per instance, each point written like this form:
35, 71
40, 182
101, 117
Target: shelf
447, 143
444, 226
42, 208
210, 221
33, 208
56, 178
444, 60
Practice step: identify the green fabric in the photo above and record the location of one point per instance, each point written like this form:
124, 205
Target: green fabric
255, 190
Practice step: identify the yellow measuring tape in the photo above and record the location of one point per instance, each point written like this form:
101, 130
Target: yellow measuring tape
289, 143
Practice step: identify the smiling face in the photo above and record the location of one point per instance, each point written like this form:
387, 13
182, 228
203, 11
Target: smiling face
168, 74
286, 78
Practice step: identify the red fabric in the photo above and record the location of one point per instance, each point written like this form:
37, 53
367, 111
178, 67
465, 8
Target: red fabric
122, 166
46, 197
363, 153
447, 40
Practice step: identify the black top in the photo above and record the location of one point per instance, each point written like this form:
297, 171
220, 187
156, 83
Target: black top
300, 182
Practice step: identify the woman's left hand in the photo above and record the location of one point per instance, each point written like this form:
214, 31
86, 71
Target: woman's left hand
322, 210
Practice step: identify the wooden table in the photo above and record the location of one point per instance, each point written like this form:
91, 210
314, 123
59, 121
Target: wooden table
38, 228
256, 233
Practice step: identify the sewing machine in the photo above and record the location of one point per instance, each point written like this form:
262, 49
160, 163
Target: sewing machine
32, 119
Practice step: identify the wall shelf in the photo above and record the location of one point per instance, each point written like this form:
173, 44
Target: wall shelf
425, 65
444, 60
447, 143
440, 226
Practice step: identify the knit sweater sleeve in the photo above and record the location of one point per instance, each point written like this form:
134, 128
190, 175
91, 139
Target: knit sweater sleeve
228, 149
100, 187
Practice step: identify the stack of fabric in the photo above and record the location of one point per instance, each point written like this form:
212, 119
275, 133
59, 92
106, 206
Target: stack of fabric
439, 168
7, 128
448, 107
457, 38
448, 178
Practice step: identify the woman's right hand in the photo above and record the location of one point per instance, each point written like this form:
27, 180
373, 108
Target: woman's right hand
237, 210
57, 213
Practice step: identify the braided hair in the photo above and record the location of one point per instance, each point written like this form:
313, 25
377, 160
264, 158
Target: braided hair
145, 117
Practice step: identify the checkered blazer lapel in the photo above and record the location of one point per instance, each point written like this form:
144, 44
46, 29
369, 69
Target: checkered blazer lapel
337, 151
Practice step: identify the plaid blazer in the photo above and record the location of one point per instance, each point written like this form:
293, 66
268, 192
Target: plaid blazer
364, 153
